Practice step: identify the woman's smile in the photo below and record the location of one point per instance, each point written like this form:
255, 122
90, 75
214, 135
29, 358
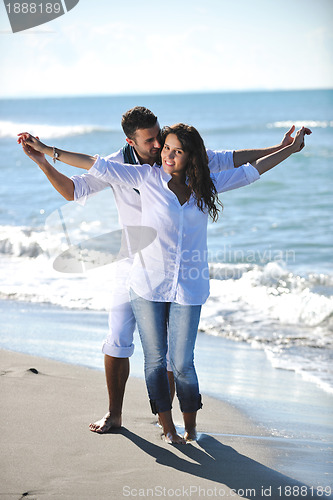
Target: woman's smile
174, 158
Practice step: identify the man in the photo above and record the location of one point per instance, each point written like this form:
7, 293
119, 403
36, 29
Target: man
142, 132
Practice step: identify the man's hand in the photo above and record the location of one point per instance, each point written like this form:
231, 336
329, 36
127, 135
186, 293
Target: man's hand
298, 142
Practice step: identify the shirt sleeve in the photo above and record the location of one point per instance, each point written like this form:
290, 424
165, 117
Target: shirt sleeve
220, 160
236, 178
86, 185
112, 172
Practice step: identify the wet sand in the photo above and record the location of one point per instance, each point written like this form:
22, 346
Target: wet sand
49, 452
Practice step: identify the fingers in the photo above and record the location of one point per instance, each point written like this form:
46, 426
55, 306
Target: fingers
299, 138
23, 136
26, 137
291, 130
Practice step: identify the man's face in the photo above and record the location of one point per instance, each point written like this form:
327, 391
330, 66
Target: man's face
147, 143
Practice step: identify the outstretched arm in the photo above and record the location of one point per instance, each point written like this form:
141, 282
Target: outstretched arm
75, 159
64, 185
267, 162
250, 155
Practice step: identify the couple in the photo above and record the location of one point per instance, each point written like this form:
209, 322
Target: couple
166, 292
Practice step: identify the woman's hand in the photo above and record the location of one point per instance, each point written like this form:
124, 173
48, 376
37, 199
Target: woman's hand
32, 153
287, 138
27, 139
298, 142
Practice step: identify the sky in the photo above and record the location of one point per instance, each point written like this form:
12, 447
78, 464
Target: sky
110, 47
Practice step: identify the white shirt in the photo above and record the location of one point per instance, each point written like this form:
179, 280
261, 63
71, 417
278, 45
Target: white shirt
127, 200
174, 267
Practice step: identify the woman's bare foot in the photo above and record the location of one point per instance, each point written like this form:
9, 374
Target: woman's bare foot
105, 424
190, 426
190, 435
169, 430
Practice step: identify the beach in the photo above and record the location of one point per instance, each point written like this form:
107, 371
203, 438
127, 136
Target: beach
264, 349
49, 452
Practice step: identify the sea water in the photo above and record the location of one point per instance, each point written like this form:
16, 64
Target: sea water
270, 252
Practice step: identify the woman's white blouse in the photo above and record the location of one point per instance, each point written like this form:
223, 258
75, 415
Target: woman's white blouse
174, 267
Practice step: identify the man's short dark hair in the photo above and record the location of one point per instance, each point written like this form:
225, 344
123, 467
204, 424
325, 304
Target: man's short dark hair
136, 118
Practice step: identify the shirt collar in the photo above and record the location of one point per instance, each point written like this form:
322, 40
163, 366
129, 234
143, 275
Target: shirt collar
165, 177
135, 156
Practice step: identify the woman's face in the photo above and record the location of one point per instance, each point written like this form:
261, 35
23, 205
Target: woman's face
174, 158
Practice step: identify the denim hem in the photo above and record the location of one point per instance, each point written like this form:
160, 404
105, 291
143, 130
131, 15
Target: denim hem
190, 405
159, 408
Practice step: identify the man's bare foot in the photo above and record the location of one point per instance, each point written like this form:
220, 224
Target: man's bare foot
190, 435
173, 438
105, 424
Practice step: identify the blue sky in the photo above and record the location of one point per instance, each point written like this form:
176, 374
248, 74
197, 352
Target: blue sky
134, 47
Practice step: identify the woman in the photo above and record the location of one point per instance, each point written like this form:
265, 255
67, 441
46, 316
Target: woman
169, 280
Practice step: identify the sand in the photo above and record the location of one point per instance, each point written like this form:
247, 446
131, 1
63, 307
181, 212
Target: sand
48, 451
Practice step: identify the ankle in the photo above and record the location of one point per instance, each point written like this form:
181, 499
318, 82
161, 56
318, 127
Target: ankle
115, 413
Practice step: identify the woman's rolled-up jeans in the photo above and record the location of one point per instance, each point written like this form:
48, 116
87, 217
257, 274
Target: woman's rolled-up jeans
160, 323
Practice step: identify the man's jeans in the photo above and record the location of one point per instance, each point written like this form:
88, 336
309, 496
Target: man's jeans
159, 322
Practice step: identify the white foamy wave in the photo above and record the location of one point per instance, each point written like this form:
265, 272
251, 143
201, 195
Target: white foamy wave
26, 242
287, 315
44, 131
35, 280
299, 124
21, 242
274, 292
313, 366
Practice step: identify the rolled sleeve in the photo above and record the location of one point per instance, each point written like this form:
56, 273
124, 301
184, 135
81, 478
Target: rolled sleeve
220, 160
113, 172
236, 178
86, 185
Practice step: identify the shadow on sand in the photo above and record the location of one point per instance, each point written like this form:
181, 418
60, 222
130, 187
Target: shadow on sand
225, 466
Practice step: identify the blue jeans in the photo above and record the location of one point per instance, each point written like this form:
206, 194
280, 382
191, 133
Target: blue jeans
158, 323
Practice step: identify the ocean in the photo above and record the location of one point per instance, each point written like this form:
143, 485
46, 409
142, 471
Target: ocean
270, 252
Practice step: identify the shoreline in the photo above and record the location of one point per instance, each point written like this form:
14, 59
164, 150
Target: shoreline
50, 451
286, 415
281, 400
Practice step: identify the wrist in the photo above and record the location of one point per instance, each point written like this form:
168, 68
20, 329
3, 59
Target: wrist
292, 148
47, 150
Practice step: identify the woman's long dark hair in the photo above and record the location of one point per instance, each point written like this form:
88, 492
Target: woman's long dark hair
197, 170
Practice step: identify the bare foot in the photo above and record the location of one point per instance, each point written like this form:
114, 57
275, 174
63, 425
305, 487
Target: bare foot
190, 435
173, 438
107, 423
169, 429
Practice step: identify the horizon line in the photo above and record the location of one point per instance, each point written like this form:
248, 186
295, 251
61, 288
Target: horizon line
171, 93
